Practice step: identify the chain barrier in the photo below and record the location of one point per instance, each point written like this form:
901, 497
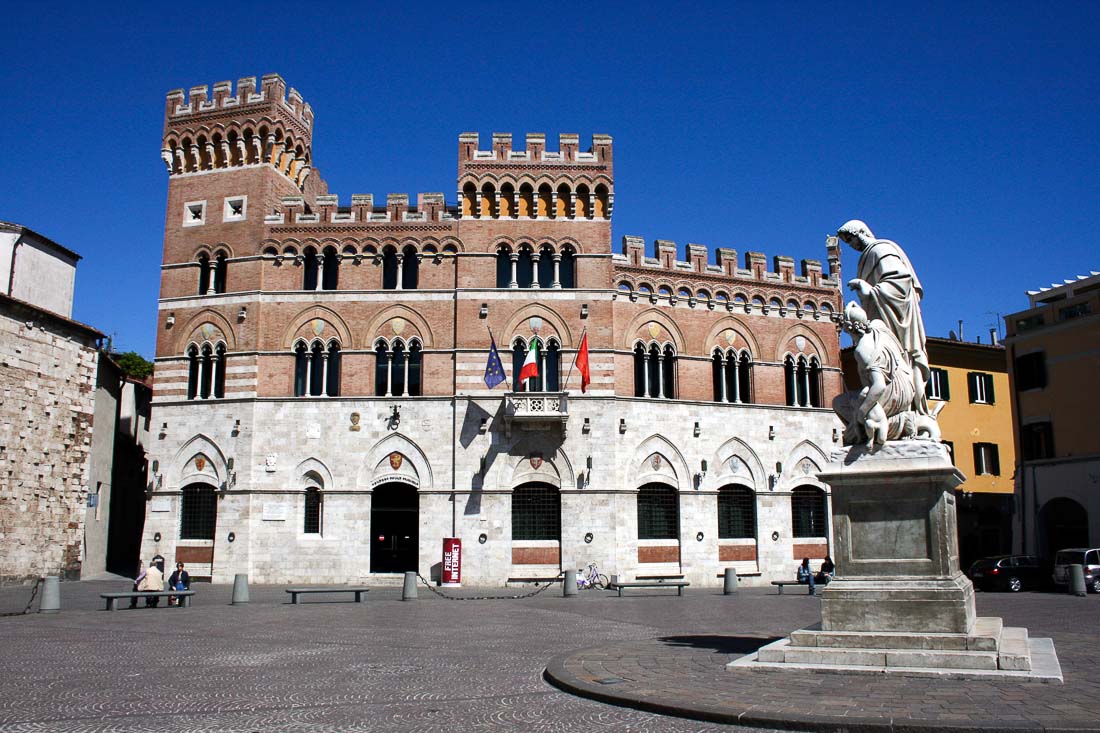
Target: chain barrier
532, 594
30, 601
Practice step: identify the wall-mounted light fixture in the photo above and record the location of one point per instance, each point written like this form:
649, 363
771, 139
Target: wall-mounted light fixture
771, 432
584, 310
587, 427
703, 467
236, 427
588, 538
622, 425
696, 430
229, 463
836, 435
484, 426
775, 536
395, 417
588, 463
156, 537
699, 536
242, 314
483, 312
156, 466
778, 468
170, 321
481, 466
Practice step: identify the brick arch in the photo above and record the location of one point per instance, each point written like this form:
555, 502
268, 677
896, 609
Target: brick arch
739, 327
372, 332
633, 330
782, 346
559, 243
317, 312
549, 316
203, 316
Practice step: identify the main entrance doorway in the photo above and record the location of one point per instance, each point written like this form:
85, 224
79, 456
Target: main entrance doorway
394, 521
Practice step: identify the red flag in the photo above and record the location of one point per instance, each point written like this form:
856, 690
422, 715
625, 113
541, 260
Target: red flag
582, 364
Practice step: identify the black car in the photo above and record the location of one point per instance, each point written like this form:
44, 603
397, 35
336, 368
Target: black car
1007, 572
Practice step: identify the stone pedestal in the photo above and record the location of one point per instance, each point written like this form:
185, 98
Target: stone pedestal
895, 542
899, 602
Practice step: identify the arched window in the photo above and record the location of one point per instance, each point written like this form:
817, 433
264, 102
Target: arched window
192, 372
730, 376
525, 269
548, 361
544, 206
583, 208
469, 201
563, 210
736, 513
221, 272
668, 376
198, 512
488, 199
814, 378
313, 511
546, 268
789, 380
602, 210
567, 269
640, 372
219, 371
310, 269
658, 513
317, 369
398, 368
505, 276
410, 268
330, 269
204, 274
808, 512
507, 201
391, 270
536, 512
744, 377
526, 202
206, 370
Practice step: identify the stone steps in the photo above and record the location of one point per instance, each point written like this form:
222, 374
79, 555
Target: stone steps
989, 646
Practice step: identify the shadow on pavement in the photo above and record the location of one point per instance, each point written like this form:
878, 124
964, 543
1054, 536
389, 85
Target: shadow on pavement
720, 644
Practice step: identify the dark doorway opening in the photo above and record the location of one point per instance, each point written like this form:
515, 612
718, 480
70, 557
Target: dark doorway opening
1065, 523
394, 521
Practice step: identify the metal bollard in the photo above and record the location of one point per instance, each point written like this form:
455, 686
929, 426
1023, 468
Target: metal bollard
729, 582
240, 589
51, 595
1077, 580
569, 585
614, 581
408, 590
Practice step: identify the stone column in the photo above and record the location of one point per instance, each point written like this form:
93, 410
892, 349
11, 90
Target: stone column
198, 382
405, 372
557, 270
535, 257
400, 258
324, 374
591, 206
309, 374
477, 204
195, 156
736, 361
210, 156
645, 374
226, 153
572, 205
553, 212
514, 259
660, 374
389, 373
214, 359
320, 270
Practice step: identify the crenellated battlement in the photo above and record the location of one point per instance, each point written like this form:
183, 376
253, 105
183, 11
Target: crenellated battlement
430, 207
272, 92
502, 154
662, 264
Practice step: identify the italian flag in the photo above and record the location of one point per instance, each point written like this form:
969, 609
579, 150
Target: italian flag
531, 363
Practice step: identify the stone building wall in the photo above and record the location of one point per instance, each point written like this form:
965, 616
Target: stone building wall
47, 380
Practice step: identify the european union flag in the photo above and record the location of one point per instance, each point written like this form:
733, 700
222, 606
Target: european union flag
494, 370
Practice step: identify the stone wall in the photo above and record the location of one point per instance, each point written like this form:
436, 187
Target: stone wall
47, 379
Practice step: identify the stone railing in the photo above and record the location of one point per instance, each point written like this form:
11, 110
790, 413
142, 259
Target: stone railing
532, 409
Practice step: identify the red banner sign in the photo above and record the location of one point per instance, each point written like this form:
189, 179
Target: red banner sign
452, 561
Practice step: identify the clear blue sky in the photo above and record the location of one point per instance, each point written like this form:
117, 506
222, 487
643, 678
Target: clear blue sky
966, 132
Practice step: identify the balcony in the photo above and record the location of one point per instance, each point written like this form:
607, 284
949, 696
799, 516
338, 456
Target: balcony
535, 410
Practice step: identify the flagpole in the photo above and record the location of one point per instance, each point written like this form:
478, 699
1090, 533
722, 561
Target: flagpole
570, 374
492, 341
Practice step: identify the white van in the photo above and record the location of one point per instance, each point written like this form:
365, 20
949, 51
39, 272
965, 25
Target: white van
1089, 558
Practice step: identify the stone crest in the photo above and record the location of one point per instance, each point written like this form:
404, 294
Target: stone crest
535, 460
398, 326
730, 336
396, 459
354, 427
655, 461
318, 326
535, 323
654, 330
200, 462
800, 343
208, 332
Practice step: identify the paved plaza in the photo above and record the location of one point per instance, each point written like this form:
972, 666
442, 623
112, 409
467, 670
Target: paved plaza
478, 665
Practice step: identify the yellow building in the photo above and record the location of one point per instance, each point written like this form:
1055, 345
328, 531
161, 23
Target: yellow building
971, 380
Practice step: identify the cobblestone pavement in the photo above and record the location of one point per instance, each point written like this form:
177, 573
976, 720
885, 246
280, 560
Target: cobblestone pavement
685, 674
439, 665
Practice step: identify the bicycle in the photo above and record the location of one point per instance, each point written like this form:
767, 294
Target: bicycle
591, 578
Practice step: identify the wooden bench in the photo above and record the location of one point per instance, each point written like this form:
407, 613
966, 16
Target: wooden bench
113, 598
357, 590
782, 583
678, 584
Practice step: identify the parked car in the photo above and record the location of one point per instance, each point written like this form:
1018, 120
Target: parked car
1007, 572
1089, 558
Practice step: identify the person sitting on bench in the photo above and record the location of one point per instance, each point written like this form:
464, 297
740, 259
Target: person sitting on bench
828, 569
805, 575
153, 581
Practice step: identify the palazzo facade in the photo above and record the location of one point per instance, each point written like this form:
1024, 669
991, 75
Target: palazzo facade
321, 412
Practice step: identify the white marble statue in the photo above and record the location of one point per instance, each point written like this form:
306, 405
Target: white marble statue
883, 408
889, 291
